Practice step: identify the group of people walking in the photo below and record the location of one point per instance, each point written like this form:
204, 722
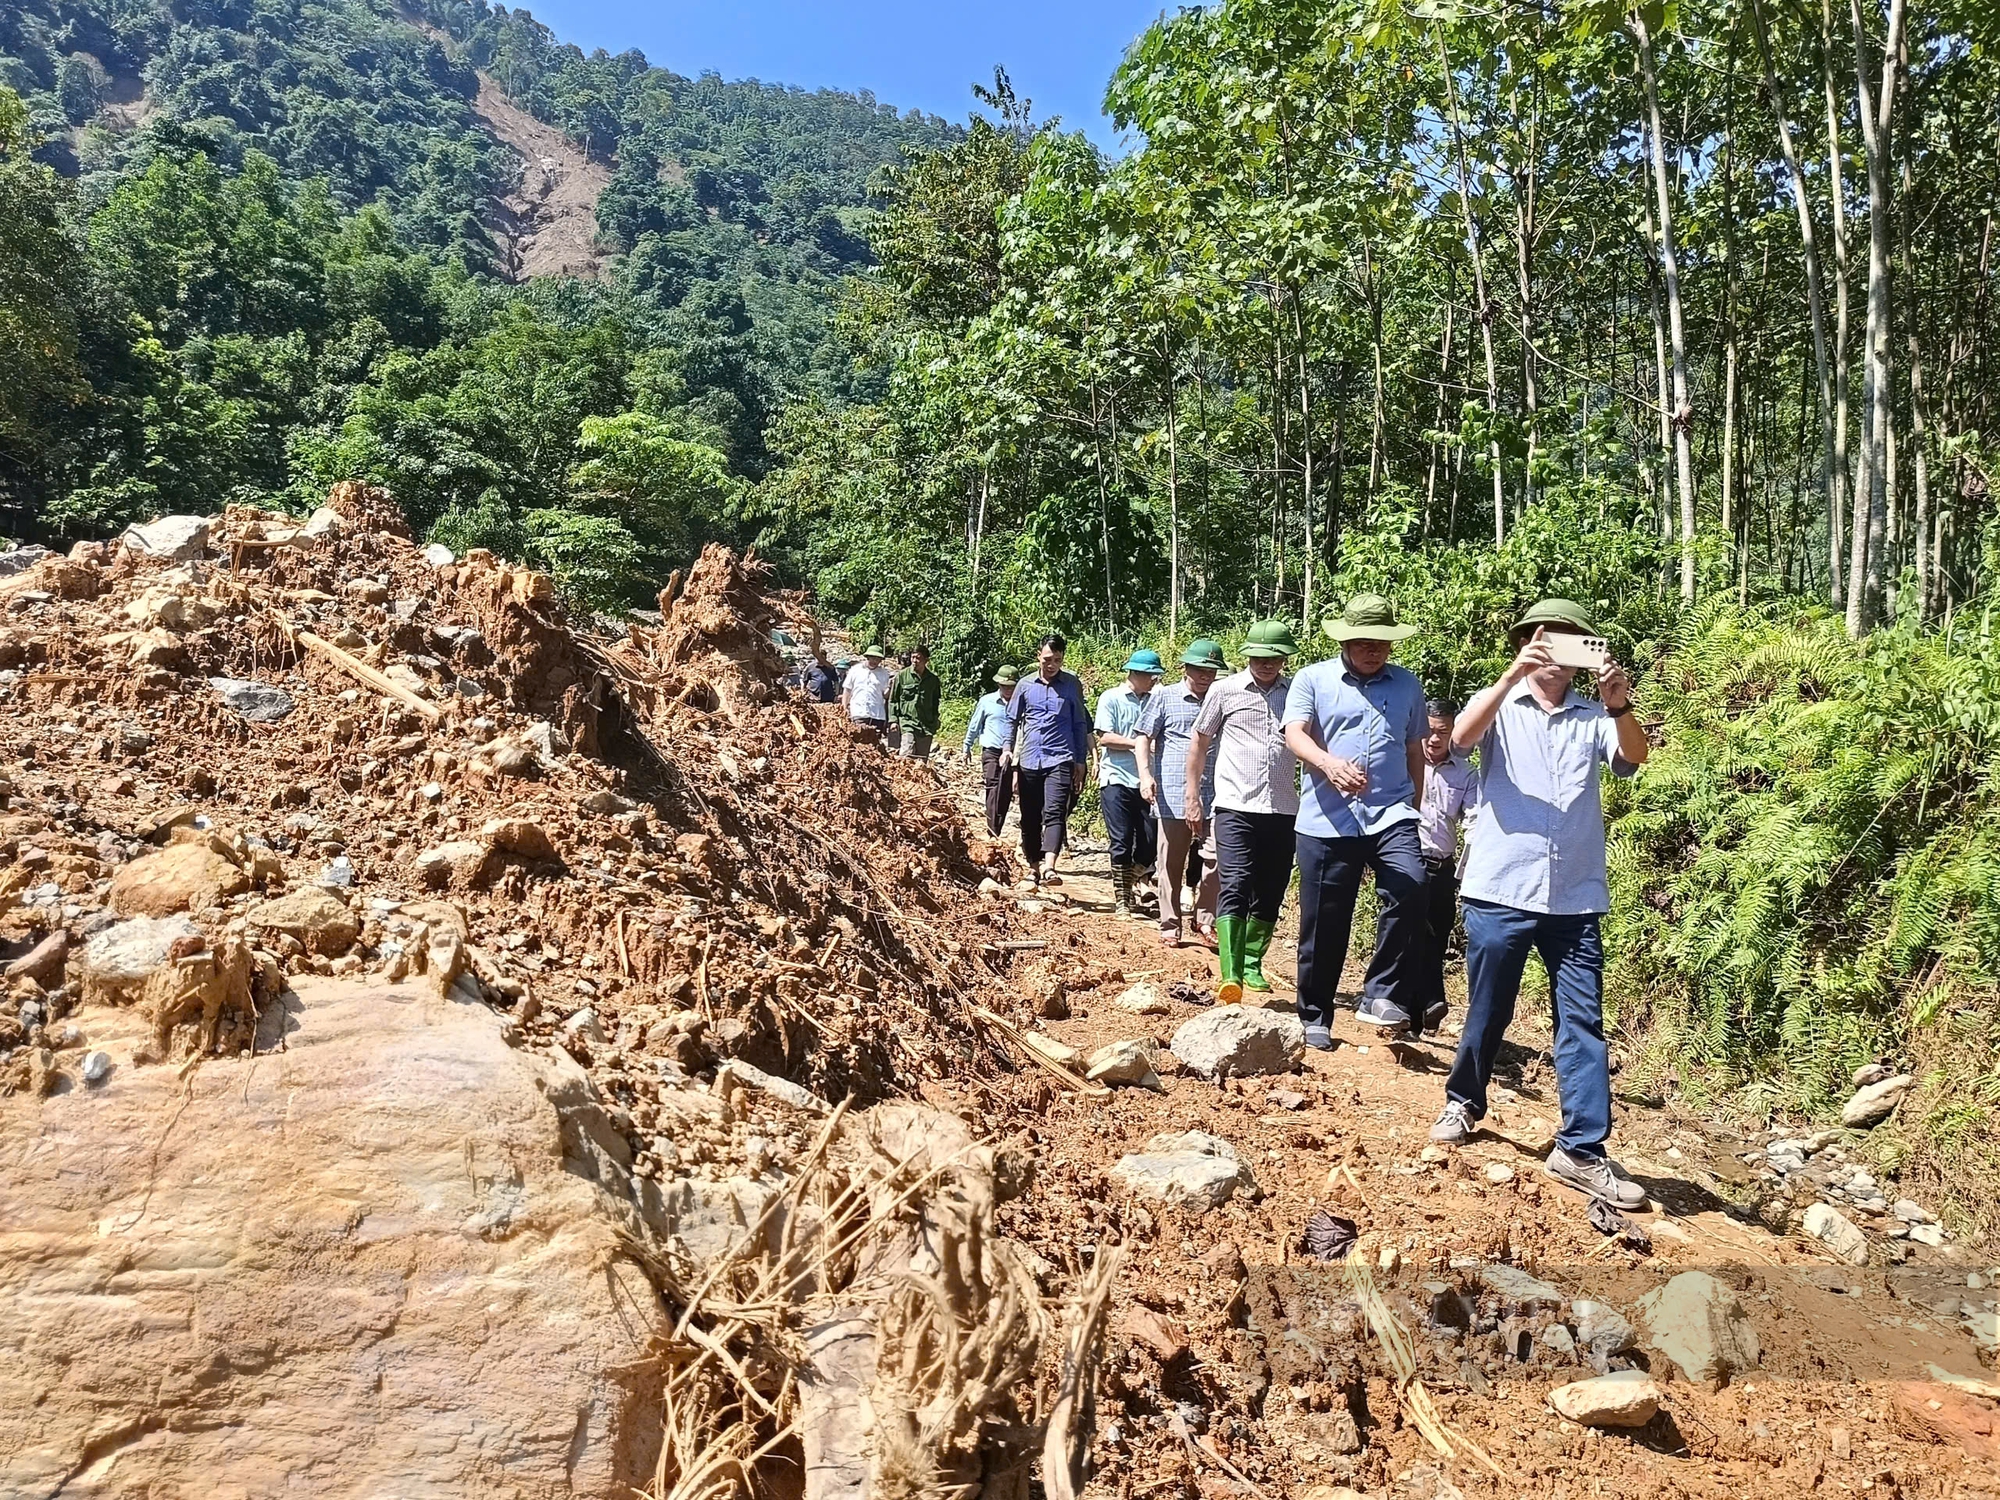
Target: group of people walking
1219, 785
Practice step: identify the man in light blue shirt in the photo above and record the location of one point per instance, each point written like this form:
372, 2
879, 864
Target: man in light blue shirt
1357, 725
1164, 735
1128, 817
1534, 879
988, 726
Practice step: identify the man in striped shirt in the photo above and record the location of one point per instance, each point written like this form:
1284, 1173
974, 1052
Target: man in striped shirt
1163, 734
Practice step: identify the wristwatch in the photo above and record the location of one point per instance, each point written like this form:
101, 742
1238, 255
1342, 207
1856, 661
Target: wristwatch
1619, 713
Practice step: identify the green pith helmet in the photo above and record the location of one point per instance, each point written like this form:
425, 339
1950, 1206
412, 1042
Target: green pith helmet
1368, 617
1006, 677
1565, 614
875, 651
1145, 660
1204, 653
1271, 638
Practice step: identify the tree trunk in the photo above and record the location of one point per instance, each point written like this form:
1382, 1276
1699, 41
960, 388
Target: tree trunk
1832, 464
1306, 448
1865, 558
1683, 416
1173, 507
1525, 231
1473, 251
1437, 407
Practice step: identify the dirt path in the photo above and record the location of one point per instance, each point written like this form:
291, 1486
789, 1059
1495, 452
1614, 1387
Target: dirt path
1231, 1349
548, 225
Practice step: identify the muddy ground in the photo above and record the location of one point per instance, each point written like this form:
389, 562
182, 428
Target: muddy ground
1232, 1349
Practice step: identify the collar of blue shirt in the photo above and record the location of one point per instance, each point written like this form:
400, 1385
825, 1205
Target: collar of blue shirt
1572, 699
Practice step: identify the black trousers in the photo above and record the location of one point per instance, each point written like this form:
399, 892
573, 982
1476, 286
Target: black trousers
999, 781
1440, 906
1045, 800
1128, 819
1253, 857
1329, 880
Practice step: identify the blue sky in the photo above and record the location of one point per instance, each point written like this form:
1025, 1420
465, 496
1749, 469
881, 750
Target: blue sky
916, 55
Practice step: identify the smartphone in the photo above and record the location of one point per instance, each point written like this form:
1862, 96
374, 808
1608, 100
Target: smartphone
1592, 653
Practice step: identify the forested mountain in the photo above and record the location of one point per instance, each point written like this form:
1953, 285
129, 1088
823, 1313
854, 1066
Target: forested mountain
278, 246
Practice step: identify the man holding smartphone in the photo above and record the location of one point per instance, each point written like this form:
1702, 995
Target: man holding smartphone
1535, 879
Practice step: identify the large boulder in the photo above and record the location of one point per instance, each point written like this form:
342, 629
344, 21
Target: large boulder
1628, 1398
358, 1267
117, 961
1837, 1232
1875, 1103
180, 877
176, 537
1236, 1040
317, 918
1696, 1321
1192, 1169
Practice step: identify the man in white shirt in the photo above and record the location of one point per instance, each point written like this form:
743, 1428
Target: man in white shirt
1451, 796
865, 694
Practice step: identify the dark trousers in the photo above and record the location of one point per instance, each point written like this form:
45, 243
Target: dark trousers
1045, 798
1253, 857
1329, 881
1440, 904
999, 781
1497, 942
1128, 819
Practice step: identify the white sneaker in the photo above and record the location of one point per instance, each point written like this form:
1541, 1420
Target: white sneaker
1454, 1124
1596, 1176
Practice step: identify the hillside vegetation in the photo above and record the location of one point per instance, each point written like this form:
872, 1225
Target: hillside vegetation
277, 244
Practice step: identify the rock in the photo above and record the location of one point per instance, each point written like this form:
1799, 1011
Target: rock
1143, 999
519, 837
119, 959
1288, 1099
1627, 1398
1906, 1209
1600, 1330
1696, 1321
796, 1095
584, 1024
1832, 1229
1127, 1062
1518, 1289
20, 559
1156, 1331
258, 702
43, 963
316, 917
338, 875
1876, 1102
1557, 1337
1046, 994
158, 648
510, 759
1927, 1234
1498, 1173
606, 804
462, 1270
438, 555
460, 863
1236, 1040
1191, 1168
180, 877
1869, 1073
177, 537
324, 524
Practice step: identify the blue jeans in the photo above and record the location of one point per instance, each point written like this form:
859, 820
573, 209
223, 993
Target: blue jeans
1329, 880
1497, 940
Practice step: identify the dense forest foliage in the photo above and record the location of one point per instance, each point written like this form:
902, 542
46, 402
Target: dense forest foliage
246, 248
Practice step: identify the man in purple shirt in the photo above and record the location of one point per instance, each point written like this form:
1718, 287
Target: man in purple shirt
1049, 728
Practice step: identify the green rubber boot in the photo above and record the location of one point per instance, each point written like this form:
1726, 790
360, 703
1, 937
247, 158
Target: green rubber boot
1256, 943
1229, 942
1121, 890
